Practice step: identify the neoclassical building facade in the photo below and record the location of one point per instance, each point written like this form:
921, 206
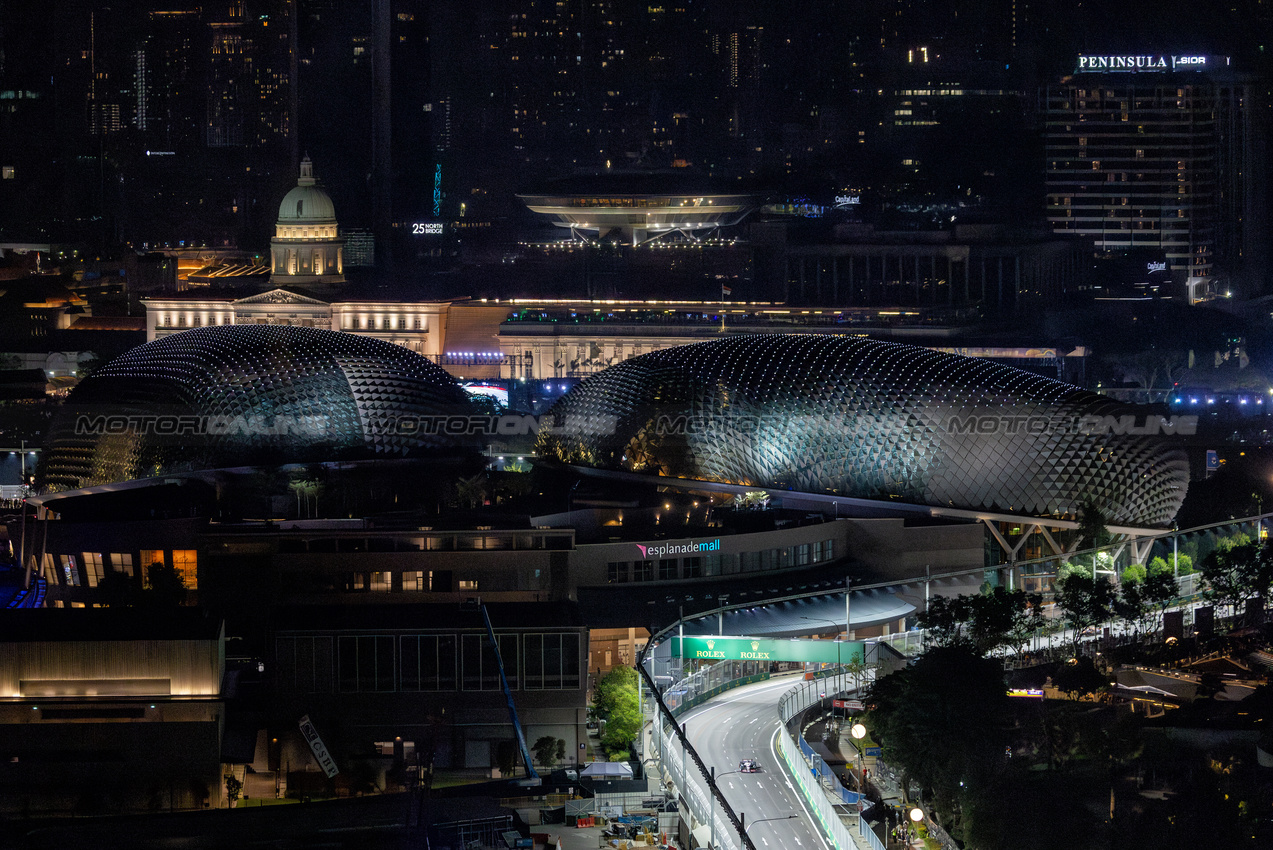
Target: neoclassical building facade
306, 248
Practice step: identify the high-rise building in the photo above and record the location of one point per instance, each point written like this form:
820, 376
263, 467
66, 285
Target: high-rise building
1151, 157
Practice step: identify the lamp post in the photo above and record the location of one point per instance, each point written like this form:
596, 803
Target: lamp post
848, 620
916, 815
858, 731
838, 658
711, 806
742, 823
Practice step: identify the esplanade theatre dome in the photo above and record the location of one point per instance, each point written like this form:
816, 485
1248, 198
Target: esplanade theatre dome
235, 395
873, 420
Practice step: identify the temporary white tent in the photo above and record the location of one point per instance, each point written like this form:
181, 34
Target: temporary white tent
608, 770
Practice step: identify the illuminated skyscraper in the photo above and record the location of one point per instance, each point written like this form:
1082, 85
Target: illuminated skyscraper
1151, 157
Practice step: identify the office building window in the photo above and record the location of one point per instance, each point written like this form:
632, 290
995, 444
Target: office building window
481, 668
149, 557
667, 569
643, 571
428, 663
617, 572
123, 562
693, 567
366, 663
413, 580
70, 571
93, 567
550, 661
303, 664
185, 563
381, 582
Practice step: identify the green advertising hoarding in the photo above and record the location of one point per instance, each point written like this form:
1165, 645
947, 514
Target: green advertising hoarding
730, 648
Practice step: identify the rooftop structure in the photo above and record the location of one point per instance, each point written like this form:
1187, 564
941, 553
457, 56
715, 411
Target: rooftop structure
306, 247
872, 420
641, 208
235, 395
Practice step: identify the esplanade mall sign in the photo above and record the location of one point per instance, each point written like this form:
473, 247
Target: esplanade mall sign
1151, 62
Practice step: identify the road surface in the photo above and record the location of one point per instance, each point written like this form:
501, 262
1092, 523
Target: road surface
743, 723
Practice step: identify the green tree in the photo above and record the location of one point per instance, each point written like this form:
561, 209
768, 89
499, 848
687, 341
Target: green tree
1134, 573
118, 590
615, 700
233, 787
1184, 565
1085, 601
945, 619
1236, 572
1079, 676
613, 688
506, 757
622, 727
1004, 618
1160, 590
544, 749
165, 588
1132, 605
984, 622
944, 720
1092, 531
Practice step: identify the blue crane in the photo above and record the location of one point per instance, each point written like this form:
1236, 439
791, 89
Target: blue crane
508, 695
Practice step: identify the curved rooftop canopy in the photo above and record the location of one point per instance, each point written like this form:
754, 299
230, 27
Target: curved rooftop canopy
235, 395
640, 205
873, 420
811, 615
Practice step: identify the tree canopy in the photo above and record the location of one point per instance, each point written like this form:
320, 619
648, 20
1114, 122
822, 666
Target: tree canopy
985, 622
1238, 570
944, 720
616, 701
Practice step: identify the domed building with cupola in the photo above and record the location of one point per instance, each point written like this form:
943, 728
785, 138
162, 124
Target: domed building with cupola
306, 248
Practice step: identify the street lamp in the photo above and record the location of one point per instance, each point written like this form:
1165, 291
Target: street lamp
858, 731
838, 658
916, 815
711, 806
743, 827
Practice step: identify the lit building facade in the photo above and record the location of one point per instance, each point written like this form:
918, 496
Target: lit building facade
418, 326
1151, 155
641, 207
307, 247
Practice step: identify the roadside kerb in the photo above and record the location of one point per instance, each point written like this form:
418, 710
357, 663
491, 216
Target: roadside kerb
792, 703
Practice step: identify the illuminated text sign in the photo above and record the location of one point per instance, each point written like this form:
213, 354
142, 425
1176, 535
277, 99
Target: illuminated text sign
660, 549
727, 648
1152, 62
